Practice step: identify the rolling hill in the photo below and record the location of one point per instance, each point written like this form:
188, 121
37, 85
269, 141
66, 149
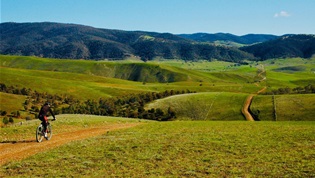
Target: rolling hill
285, 47
71, 41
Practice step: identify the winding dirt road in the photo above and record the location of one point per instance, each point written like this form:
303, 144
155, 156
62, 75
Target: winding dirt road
245, 109
20, 150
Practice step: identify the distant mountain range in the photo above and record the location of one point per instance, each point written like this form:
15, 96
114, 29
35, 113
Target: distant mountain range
72, 41
245, 39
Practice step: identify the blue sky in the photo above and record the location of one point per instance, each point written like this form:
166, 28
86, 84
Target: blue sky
174, 16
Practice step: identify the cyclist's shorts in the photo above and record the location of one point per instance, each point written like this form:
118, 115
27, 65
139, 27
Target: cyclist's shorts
43, 118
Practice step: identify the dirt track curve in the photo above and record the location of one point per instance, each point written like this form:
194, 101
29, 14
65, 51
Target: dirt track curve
21, 150
245, 109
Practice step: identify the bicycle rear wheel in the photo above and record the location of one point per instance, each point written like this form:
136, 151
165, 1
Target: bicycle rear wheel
39, 133
49, 132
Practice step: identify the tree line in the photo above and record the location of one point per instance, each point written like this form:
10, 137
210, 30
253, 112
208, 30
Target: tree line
297, 90
131, 105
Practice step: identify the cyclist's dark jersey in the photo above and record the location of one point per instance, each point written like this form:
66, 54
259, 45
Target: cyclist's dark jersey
44, 110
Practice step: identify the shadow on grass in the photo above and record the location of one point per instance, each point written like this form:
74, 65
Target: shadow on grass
20, 141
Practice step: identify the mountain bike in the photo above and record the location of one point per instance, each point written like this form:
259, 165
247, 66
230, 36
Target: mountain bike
40, 133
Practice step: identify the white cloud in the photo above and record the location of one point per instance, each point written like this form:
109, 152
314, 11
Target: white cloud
282, 14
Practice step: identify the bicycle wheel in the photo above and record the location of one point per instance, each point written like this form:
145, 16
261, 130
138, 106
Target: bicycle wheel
39, 133
49, 132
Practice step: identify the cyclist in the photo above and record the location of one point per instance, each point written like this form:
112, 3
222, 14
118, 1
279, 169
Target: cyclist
43, 116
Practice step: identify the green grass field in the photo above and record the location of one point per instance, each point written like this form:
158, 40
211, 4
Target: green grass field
176, 149
288, 107
292, 72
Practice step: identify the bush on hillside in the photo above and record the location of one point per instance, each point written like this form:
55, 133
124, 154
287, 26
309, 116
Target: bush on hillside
5, 120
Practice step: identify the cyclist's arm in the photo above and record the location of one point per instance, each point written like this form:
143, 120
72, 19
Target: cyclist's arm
52, 113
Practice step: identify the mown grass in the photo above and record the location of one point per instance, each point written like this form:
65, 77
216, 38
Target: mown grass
288, 107
182, 149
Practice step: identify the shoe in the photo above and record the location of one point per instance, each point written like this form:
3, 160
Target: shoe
45, 135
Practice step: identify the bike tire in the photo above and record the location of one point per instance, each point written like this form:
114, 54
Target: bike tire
39, 134
49, 132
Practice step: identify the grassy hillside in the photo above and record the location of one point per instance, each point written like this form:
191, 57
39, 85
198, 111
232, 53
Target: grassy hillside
71, 76
291, 72
93, 80
129, 71
287, 107
11, 102
175, 149
204, 106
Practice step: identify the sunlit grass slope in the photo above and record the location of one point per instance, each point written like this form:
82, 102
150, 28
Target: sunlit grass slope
204, 106
142, 72
134, 71
79, 85
291, 72
182, 149
286, 107
85, 79
11, 102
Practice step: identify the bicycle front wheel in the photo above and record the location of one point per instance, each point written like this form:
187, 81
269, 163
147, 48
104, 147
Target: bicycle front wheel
39, 133
49, 132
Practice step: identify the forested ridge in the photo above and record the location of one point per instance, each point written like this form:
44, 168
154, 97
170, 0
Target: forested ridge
244, 39
72, 41
285, 47
57, 40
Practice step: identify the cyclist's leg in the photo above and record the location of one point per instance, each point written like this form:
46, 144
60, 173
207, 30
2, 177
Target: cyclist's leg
45, 121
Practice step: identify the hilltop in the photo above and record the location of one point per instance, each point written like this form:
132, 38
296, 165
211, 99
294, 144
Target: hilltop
72, 41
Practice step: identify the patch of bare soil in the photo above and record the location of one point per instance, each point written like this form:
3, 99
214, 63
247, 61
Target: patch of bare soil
20, 150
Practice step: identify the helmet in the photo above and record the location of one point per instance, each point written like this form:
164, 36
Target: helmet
47, 103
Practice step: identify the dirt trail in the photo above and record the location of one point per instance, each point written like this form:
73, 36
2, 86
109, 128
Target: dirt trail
21, 150
245, 109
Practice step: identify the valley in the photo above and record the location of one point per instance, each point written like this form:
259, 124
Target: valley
93, 80
205, 125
